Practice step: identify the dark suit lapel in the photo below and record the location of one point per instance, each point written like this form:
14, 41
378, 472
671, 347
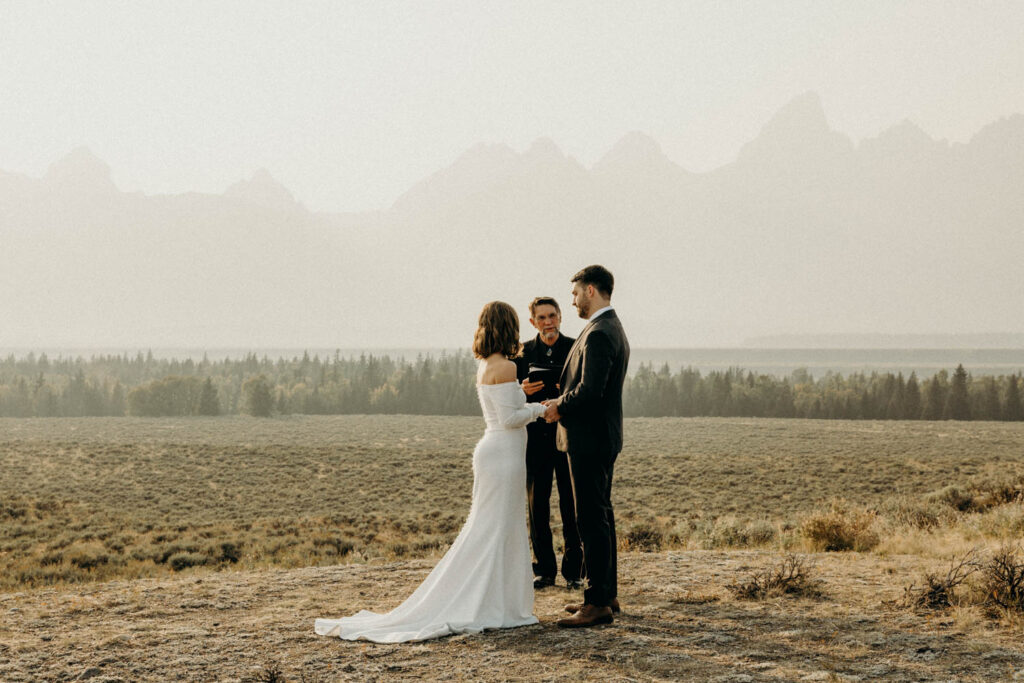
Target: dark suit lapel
593, 322
583, 334
571, 356
607, 317
577, 347
572, 349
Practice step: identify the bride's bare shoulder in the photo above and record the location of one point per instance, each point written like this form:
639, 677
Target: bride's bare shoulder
497, 370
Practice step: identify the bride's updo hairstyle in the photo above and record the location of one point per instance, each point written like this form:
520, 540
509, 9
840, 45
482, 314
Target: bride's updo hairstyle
497, 332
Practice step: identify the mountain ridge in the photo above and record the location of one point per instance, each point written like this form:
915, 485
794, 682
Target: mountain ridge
803, 114
897, 233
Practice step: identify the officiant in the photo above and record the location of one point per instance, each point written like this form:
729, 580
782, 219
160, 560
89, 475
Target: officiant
538, 370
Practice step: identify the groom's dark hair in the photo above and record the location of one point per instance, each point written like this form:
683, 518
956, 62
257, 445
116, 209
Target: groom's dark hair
599, 276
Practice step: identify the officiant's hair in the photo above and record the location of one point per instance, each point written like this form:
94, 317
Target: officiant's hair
497, 331
544, 301
599, 276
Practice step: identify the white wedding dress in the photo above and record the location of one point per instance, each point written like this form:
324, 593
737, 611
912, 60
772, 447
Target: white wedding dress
485, 579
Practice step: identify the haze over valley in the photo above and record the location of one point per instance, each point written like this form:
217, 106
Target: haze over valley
806, 232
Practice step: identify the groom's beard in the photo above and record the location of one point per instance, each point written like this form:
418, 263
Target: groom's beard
583, 308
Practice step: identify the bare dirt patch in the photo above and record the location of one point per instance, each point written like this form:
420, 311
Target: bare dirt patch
679, 623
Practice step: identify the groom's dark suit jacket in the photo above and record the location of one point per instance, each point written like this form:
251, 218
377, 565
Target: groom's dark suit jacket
591, 383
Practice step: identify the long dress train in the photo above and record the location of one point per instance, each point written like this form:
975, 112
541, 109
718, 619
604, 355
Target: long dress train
485, 579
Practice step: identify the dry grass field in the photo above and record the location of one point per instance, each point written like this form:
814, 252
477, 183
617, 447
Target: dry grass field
99, 498
198, 549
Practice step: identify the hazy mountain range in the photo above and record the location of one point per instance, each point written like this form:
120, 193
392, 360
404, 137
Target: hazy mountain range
805, 232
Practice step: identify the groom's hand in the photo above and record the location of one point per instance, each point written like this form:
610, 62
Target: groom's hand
551, 414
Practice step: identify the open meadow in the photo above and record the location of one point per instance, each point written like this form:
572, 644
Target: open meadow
150, 536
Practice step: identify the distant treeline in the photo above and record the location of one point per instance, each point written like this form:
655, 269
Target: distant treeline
37, 386
859, 396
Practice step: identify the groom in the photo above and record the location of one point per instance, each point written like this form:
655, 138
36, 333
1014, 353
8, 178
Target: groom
589, 416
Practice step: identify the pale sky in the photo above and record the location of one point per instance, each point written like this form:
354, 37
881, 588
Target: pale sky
348, 104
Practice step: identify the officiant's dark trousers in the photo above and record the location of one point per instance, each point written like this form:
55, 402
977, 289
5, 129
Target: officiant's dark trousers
544, 462
592, 483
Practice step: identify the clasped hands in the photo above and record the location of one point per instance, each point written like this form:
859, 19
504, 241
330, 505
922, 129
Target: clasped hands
551, 414
531, 388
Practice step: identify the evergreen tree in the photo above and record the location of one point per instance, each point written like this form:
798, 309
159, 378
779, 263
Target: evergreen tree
281, 403
897, 397
912, 399
866, 411
1012, 409
990, 406
73, 397
117, 400
209, 404
22, 400
958, 405
935, 398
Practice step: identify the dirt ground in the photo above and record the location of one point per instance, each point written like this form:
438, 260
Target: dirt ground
679, 623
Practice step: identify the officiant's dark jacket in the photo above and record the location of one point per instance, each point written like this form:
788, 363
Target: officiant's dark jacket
536, 352
591, 402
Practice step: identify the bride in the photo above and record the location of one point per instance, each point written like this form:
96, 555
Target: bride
484, 580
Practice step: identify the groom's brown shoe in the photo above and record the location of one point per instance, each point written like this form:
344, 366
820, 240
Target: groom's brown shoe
589, 615
573, 609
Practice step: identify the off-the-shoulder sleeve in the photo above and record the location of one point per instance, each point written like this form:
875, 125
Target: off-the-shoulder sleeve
513, 410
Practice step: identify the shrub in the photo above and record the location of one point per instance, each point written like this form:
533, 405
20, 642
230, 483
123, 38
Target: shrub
51, 558
165, 553
645, 538
954, 497
424, 546
335, 544
117, 544
229, 552
88, 556
939, 589
47, 576
727, 532
981, 495
272, 673
791, 576
993, 492
1003, 579
918, 514
180, 561
840, 529
48, 506
13, 509
141, 555
1004, 521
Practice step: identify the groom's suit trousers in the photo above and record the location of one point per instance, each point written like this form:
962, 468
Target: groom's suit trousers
595, 518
